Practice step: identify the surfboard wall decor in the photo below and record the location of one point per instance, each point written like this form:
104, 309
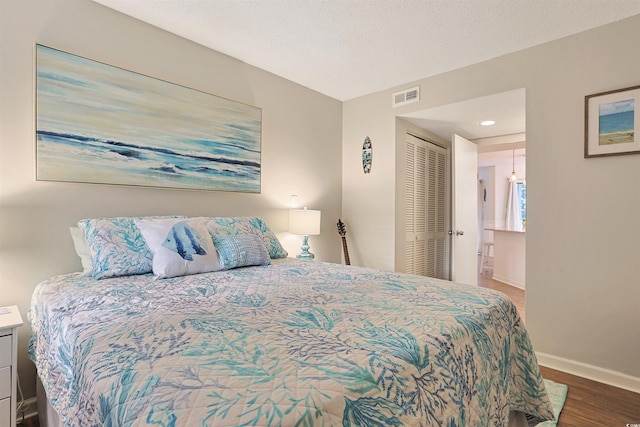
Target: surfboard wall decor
367, 155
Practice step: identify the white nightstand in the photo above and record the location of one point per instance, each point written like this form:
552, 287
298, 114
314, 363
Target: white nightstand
9, 323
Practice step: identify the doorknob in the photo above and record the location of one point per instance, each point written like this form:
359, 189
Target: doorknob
458, 232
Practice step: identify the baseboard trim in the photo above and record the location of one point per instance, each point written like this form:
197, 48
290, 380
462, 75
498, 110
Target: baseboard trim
31, 408
595, 373
508, 281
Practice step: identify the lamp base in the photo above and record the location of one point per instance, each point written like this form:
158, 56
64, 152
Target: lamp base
305, 254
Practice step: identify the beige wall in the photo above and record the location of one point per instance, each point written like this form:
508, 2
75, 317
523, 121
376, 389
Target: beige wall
301, 144
583, 233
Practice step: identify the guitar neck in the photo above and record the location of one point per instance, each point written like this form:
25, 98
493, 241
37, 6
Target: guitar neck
346, 251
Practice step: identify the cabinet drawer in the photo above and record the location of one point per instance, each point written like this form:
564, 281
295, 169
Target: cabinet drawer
5, 408
5, 382
5, 350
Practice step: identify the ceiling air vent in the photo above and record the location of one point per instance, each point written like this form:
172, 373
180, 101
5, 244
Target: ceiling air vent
406, 96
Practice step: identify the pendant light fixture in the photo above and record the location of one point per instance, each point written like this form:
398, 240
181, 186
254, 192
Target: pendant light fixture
513, 178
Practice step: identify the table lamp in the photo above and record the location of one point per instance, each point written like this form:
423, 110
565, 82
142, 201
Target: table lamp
305, 222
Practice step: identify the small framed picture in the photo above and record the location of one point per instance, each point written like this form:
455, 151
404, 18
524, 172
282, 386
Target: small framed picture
611, 122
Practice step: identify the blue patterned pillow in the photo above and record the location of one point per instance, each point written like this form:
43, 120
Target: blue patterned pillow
241, 250
230, 226
117, 246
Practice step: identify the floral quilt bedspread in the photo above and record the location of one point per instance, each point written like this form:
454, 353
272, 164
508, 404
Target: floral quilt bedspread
290, 344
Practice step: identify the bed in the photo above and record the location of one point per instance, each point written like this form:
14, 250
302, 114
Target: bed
278, 341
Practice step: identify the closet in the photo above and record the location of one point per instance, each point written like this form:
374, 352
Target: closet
425, 178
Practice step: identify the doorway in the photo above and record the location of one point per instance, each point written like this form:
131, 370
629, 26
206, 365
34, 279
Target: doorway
508, 110
503, 211
438, 204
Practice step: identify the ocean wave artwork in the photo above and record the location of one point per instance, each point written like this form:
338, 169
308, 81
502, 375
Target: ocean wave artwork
97, 123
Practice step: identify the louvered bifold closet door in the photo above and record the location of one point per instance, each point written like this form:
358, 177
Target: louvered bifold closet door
415, 206
409, 215
436, 211
421, 210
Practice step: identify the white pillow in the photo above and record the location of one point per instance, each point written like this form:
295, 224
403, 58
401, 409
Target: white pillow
82, 249
179, 246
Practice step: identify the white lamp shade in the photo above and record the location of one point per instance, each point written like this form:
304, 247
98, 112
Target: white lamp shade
304, 222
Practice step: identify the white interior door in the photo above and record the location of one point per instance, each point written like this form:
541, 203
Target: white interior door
464, 208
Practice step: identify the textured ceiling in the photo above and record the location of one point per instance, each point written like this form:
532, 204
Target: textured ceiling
349, 48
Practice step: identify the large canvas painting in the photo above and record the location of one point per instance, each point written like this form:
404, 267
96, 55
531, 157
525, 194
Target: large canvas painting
96, 123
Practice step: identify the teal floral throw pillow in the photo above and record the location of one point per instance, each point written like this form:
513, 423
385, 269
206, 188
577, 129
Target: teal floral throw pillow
117, 246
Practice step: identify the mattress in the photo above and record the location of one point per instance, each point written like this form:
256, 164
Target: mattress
292, 343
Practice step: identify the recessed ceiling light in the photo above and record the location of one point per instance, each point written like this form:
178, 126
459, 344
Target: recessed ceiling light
487, 122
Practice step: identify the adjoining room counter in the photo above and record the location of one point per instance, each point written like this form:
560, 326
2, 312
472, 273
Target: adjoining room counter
509, 256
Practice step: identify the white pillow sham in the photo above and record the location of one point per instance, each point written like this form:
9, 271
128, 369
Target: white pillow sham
82, 249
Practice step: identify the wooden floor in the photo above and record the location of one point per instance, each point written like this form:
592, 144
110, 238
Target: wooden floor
516, 294
589, 403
